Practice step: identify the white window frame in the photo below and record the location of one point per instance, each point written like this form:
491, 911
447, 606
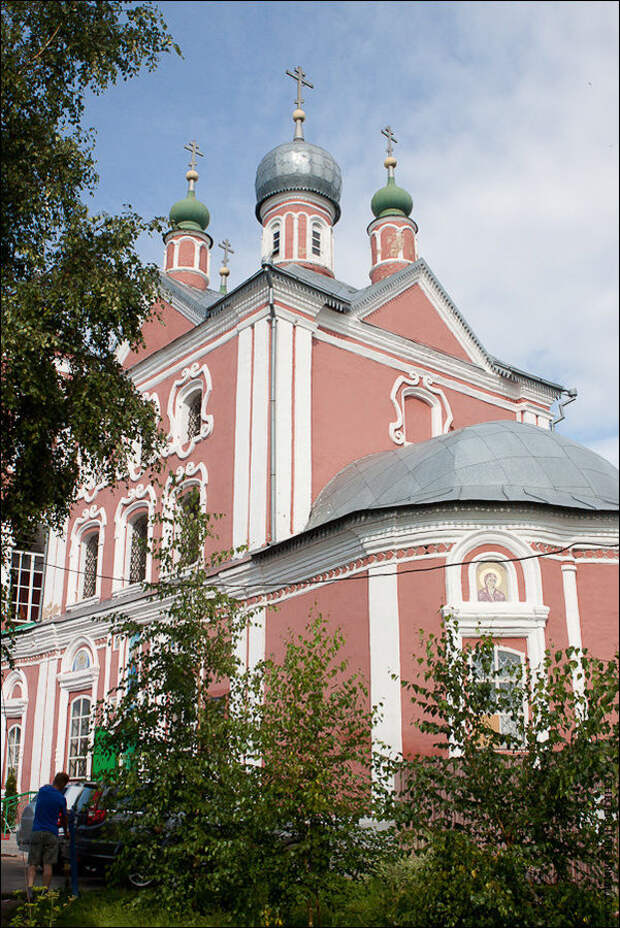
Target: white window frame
193, 378
92, 520
87, 757
140, 500
10, 749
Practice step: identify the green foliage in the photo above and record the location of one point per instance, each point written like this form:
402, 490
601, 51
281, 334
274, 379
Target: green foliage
184, 764
43, 909
114, 908
73, 285
314, 720
518, 825
10, 790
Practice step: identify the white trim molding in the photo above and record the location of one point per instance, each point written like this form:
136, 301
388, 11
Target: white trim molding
193, 379
93, 518
424, 388
139, 499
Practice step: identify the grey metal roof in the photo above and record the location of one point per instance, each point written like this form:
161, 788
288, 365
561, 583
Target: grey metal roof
346, 298
194, 304
298, 165
491, 462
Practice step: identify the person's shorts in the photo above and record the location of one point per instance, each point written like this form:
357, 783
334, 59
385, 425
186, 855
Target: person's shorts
43, 849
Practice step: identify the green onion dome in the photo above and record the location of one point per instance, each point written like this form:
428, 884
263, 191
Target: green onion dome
189, 213
391, 200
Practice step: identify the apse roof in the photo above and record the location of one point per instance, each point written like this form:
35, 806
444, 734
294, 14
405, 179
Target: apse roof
491, 462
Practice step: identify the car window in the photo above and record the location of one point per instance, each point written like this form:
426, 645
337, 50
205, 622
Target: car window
71, 793
84, 798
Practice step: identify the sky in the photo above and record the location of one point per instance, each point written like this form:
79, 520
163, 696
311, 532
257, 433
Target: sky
506, 116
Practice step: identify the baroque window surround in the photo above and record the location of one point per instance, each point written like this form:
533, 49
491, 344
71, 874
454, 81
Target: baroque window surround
92, 520
423, 387
14, 710
79, 682
193, 379
187, 476
140, 499
134, 466
510, 619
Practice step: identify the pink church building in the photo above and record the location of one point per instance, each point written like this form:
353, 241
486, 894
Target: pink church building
377, 463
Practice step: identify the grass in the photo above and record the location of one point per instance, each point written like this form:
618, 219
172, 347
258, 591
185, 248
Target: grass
111, 908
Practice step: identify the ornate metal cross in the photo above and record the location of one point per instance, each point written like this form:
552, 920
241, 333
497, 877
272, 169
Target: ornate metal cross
299, 76
389, 134
195, 150
227, 249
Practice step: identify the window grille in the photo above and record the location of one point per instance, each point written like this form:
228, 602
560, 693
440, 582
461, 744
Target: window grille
190, 540
137, 557
79, 737
91, 553
26, 585
505, 675
316, 240
276, 242
194, 418
13, 745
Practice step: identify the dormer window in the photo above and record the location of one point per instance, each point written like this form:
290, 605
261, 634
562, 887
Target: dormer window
91, 556
316, 240
194, 416
275, 250
137, 555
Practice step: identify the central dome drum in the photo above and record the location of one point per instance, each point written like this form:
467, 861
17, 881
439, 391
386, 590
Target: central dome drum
298, 165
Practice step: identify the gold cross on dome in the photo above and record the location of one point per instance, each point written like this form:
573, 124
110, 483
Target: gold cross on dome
389, 134
227, 249
195, 150
299, 76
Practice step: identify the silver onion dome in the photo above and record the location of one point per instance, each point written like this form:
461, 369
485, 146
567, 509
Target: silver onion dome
298, 165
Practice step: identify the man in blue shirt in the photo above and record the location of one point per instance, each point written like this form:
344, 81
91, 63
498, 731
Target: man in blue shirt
51, 806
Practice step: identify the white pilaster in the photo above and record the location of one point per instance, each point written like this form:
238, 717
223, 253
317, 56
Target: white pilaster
45, 770
573, 622
38, 728
260, 432
302, 448
256, 638
385, 655
284, 423
241, 480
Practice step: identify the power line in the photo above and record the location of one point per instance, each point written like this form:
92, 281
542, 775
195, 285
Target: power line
362, 570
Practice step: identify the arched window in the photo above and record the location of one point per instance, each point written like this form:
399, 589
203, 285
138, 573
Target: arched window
194, 415
191, 528
90, 554
139, 527
14, 740
505, 675
316, 239
275, 241
81, 661
79, 736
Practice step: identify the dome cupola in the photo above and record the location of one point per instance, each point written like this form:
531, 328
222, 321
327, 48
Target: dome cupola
298, 188
187, 243
392, 233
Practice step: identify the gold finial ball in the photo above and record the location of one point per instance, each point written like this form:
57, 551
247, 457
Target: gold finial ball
191, 175
224, 271
298, 114
390, 162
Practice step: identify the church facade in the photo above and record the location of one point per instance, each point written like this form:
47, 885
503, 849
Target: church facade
370, 457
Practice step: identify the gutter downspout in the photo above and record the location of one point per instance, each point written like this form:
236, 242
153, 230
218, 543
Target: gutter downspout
572, 396
272, 405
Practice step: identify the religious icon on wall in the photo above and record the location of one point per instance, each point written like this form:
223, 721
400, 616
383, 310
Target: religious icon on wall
491, 582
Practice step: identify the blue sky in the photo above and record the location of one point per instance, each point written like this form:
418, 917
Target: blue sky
506, 116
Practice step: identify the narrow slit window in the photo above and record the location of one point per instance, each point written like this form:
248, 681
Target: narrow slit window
91, 553
316, 240
276, 242
137, 556
13, 745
